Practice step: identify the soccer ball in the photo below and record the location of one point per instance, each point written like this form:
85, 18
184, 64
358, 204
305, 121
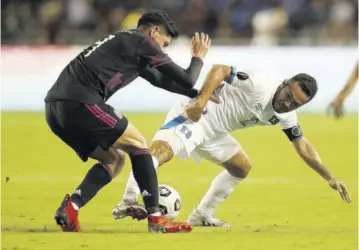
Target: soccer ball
170, 201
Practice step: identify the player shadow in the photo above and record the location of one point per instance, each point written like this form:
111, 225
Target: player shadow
120, 230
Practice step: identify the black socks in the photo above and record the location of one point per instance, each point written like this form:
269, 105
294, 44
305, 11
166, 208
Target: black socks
146, 177
97, 177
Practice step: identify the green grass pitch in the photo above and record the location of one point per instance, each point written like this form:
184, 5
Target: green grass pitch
283, 204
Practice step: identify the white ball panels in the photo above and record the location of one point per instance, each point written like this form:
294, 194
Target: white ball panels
169, 200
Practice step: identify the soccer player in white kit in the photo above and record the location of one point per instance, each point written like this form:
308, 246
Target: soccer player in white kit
200, 129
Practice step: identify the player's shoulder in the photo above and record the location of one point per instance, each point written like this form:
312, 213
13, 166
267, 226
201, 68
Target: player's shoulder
253, 82
239, 78
133, 36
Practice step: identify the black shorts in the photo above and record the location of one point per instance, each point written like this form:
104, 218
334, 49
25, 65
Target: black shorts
85, 126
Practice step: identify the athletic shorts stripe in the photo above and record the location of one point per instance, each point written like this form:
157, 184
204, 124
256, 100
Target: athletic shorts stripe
103, 113
100, 114
174, 122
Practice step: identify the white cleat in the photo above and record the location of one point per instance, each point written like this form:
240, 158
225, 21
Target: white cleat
133, 210
198, 220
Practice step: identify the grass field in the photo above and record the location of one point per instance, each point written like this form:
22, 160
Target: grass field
283, 204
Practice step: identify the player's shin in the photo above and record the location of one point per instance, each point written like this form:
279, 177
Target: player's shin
146, 177
132, 190
222, 186
96, 178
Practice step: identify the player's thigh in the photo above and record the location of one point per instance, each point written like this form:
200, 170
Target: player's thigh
88, 126
224, 150
115, 130
219, 149
182, 138
60, 118
130, 140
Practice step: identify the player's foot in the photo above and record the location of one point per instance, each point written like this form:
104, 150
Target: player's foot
132, 209
199, 220
161, 224
66, 216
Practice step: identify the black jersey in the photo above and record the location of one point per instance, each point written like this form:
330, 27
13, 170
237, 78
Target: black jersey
106, 66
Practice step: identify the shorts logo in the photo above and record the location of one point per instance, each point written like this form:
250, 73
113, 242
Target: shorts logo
119, 115
187, 133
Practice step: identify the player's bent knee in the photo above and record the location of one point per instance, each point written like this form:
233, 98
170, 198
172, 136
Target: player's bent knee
162, 151
130, 140
238, 166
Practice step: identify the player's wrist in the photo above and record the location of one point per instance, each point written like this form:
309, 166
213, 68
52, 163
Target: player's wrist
198, 57
201, 101
329, 178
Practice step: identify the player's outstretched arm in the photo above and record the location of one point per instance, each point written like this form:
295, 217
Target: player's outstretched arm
187, 78
308, 153
157, 79
338, 102
214, 79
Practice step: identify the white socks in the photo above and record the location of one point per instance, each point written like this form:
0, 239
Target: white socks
222, 186
132, 191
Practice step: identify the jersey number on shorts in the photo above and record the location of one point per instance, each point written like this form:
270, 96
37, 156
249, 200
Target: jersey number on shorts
187, 133
98, 44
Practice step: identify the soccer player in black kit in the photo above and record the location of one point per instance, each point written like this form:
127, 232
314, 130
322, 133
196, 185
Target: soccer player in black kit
77, 113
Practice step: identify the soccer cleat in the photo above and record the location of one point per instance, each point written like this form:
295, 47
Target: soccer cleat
125, 208
66, 216
200, 220
161, 224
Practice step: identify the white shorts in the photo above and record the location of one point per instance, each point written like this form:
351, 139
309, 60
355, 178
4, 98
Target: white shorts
188, 138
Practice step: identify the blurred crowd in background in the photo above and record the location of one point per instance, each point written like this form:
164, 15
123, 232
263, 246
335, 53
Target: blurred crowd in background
240, 22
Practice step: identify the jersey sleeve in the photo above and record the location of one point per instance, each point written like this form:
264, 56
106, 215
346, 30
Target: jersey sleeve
288, 120
151, 53
239, 79
157, 79
290, 126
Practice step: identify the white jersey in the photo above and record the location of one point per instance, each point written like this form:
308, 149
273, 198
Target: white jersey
244, 104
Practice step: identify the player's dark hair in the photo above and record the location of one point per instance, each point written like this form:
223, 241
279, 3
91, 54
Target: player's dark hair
307, 83
159, 18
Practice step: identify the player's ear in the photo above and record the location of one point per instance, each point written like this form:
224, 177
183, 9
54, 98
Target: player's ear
153, 30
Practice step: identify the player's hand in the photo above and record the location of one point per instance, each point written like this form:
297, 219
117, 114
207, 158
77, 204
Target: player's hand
194, 111
337, 106
341, 188
200, 44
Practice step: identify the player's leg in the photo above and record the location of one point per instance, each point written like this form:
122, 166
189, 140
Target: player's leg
100, 174
145, 175
110, 164
161, 153
224, 151
80, 129
167, 142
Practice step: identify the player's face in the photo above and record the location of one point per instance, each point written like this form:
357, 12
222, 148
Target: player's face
289, 97
160, 35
